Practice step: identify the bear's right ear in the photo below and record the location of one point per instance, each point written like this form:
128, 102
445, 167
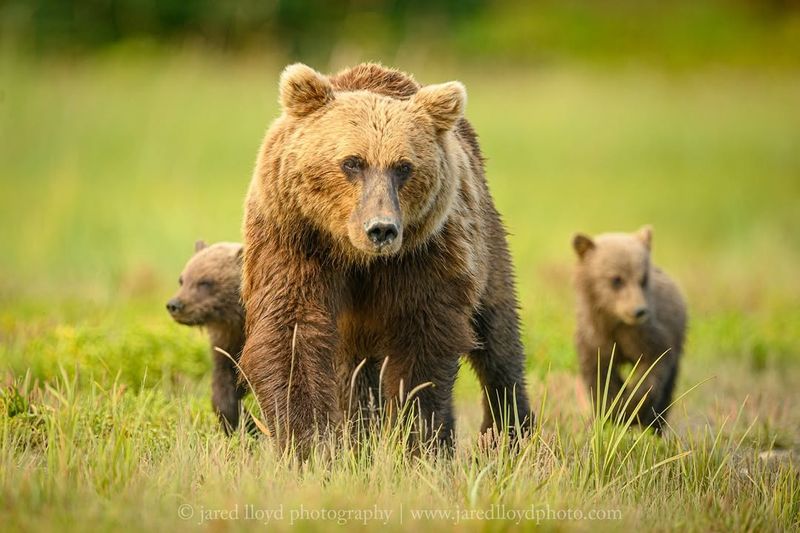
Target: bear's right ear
444, 103
582, 244
199, 245
303, 90
645, 234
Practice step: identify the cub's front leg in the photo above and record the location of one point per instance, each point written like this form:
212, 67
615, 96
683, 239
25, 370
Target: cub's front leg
291, 341
651, 343
226, 392
595, 361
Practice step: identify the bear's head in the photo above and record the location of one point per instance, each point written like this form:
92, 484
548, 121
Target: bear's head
377, 173
209, 286
614, 273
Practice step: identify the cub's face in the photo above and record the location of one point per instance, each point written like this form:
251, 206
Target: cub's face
615, 269
209, 286
367, 169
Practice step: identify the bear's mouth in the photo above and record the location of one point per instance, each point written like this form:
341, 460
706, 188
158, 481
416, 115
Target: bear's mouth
379, 250
632, 320
186, 320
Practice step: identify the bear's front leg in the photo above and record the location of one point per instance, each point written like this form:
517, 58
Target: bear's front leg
499, 362
226, 392
597, 370
432, 404
657, 370
425, 352
288, 356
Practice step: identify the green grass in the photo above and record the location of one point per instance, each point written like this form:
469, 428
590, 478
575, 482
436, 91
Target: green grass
113, 166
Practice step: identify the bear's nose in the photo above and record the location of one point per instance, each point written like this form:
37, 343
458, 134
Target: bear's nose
174, 305
640, 313
381, 232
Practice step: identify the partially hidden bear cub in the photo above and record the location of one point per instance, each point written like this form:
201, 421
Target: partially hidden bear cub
627, 304
370, 233
209, 297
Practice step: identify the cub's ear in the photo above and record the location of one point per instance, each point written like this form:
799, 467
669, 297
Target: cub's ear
582, 244
645, 234
444, 103
303, 90
199, 245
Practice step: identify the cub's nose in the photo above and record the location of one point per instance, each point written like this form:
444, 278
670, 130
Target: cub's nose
381, 232
640, 313
174, 305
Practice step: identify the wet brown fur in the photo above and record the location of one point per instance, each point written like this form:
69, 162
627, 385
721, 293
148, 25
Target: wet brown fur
444, 288
614, 278
209, 297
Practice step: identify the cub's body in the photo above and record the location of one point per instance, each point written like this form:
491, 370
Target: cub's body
631, 308
209, 297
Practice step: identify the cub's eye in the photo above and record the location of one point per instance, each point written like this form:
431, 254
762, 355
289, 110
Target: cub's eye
403, 170
644, 281
352, 165
180, 280
205, 284
617, 282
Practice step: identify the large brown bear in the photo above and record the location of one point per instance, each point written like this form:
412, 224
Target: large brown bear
370, 233
628, 306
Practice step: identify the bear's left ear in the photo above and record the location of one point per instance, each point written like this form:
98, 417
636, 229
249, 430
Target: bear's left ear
199, 245
444, 103
582, 244
303, 90
645, 234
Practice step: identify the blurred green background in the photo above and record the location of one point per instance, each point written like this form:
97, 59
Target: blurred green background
128, 129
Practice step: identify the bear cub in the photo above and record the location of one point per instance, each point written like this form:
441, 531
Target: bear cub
628, 305
209, 296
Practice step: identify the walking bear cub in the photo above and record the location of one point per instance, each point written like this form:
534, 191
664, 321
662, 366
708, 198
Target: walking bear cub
209, 297
630, 306
370, 233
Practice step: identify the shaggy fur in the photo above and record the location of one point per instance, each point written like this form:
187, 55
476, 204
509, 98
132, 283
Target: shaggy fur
321, 294
628, 305
209, 297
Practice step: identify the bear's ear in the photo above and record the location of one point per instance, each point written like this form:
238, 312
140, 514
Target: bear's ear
303, 90
582, 244
645, 234
199, 245
444, 103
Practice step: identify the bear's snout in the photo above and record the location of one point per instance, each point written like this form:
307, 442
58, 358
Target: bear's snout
174, 306
382, 231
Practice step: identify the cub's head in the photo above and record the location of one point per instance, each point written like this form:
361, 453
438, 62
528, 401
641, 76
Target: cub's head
376, 173
614, 273
209, 286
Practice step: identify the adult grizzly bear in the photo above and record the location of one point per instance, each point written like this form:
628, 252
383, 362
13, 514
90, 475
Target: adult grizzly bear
370, 233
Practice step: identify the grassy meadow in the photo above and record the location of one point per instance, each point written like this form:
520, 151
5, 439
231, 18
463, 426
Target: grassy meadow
111, 167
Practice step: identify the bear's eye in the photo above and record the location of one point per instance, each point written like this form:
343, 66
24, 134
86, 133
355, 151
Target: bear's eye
180, 281
617, 282
403, 170
352, 165
644, 281
205, 284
